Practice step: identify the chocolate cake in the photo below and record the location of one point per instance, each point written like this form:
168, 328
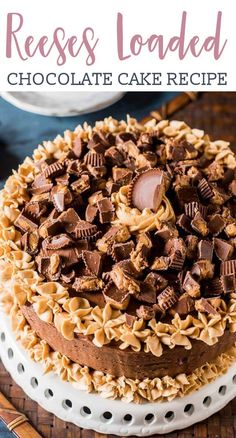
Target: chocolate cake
118, 257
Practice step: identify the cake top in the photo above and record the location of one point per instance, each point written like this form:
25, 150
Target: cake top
138, 217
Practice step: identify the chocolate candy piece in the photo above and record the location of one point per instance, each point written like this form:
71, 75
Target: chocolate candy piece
203, 269
145, 312
184, 222
205, 189
216, 224
54, 170
167, 299
186, 194
24, 223
182, 151
223, 249
184, 305
147, 190
213, 287
191, 208
91, 213
199, 224
114, 157
229, 283
191, 286
176, 261
93, 261
228, 267
156, 281
122, 137
84, 230
148, 293
69, 219
68, 277
61, 196
30, 242
122, 176
119, 299
81, 185
57, 242
79, 147
205, 250
98, 142
94, 160
121, 251
205, 306
106, 210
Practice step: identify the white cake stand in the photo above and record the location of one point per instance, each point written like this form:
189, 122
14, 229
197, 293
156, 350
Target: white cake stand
90, 411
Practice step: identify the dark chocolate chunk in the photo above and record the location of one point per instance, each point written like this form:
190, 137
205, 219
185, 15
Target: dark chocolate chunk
78, 147
91, 213
25, 224
57, 242
223, 249
167, 299
61, 196
30, 242
114, 157
69, 219
81, 185
98, 142
93, 261
203, 269
186, 195
122, 176
119, 299
184, 305
229, 283
191, 208
184, 222
205, 189
216, 224
213, 287
191, 286
150, 182
199, 224
121, 251
84, 229
93, 159
228, 267
205, 250
122, 137
106, 210
68, 277
54, 170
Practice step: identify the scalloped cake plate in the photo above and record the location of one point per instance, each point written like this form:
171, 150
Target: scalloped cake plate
62, 104
90, 411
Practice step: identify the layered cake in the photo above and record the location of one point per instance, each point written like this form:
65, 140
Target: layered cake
118, 258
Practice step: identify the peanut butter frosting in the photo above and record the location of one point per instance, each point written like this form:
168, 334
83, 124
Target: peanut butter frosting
108, 386
156, 309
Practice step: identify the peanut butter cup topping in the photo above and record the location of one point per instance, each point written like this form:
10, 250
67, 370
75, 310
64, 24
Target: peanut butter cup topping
132, 218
